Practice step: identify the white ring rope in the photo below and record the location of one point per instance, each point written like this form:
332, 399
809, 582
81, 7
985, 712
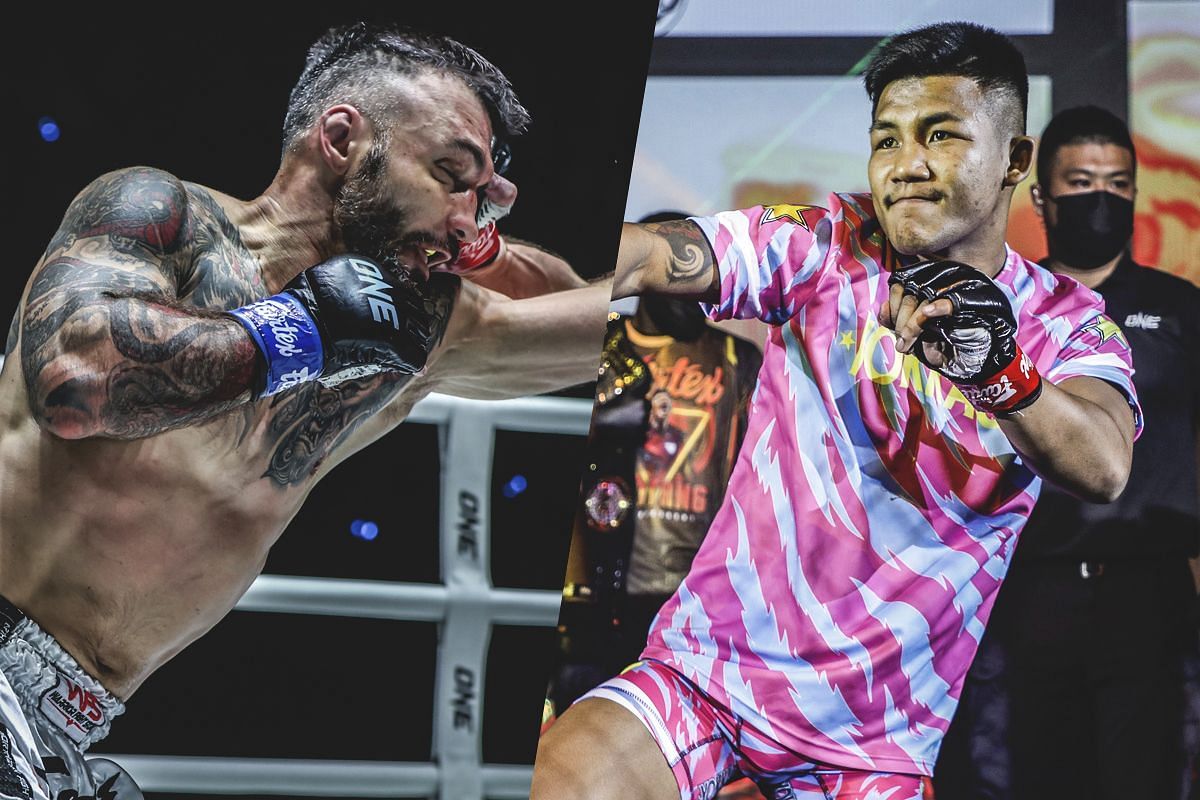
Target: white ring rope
466, 604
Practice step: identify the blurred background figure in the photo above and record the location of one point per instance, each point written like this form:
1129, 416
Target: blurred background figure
671, 404
1078, 689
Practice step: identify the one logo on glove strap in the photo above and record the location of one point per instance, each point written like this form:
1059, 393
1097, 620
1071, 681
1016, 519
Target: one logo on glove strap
382, 306
789, 212
73, 709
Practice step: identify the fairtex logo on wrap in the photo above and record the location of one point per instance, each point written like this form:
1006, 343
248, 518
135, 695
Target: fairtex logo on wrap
990, 395
380, 301
75, 710
284, 333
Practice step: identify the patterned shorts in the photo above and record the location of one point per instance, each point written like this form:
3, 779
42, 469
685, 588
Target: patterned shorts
707, 746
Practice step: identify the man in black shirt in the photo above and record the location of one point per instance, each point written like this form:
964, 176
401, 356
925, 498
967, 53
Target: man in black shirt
1077, 690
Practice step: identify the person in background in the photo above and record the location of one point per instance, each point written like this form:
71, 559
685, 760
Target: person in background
1077, 689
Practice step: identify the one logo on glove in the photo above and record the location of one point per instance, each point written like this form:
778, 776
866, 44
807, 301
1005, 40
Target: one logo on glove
73, 709
382, 306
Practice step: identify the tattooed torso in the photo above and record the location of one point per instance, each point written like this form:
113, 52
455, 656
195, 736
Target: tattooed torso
128, 546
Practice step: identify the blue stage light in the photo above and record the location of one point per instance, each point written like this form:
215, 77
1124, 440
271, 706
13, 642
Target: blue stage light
364, 529
516, 484
48, 129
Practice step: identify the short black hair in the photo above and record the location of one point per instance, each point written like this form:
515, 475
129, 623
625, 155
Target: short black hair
1077, 125
666, 215
347, 63
962, 49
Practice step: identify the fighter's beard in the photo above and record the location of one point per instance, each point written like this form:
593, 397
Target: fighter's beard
369, 224
372, 226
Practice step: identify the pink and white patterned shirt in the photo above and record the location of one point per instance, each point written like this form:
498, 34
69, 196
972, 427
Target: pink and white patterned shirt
842, 590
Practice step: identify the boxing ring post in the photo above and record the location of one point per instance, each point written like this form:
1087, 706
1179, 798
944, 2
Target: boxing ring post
466, 605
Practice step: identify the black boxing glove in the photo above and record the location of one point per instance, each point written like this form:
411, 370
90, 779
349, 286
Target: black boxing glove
347, 318
978, 339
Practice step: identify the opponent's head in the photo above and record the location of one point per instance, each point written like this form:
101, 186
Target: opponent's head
947, 136
411, 130
1087, 182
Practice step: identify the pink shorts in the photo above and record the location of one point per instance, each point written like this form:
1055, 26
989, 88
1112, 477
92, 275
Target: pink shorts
707, 746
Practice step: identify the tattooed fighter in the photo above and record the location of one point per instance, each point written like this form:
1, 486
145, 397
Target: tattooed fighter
182, 365
919, 381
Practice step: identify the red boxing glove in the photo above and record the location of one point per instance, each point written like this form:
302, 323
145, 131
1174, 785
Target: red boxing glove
479, 253
487, 248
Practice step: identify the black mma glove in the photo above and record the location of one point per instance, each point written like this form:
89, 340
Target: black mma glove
347, 318
978, 339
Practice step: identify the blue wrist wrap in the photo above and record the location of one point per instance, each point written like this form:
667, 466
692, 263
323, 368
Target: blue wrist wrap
288, 338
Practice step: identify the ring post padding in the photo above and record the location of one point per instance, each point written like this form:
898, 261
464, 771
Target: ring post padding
467, 605
462, 646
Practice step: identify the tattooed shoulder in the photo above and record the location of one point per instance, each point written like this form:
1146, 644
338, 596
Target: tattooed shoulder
139, 212
221, 272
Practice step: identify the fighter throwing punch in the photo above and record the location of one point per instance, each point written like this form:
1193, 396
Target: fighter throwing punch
919, 382
180, 364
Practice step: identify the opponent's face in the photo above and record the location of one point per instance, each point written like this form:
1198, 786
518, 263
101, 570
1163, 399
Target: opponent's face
940, 171
414, 196
1083, 168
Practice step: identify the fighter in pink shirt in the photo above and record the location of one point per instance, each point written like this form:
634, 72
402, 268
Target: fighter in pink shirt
919, 382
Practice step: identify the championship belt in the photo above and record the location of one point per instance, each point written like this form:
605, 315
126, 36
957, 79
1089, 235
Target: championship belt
621, 372
609, 489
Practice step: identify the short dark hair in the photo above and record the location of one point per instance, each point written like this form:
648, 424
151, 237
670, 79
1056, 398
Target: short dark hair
962, 49
1081, 124
344, 66
666, 215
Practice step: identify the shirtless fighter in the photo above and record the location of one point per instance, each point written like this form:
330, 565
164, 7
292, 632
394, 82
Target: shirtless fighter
179, 362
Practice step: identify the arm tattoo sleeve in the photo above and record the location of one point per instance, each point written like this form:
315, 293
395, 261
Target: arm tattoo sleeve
104, 348
14, 329
692, 263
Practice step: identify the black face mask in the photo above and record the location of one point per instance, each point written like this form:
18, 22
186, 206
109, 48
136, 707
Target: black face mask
679, 319
1092, 228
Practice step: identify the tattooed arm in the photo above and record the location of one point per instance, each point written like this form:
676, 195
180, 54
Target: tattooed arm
671, 258
497, 348
525, 269
10, 344
105, 348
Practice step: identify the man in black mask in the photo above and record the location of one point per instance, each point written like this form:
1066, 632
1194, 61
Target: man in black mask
1077, 690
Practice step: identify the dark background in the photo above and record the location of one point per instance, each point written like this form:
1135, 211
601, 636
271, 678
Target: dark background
200, 91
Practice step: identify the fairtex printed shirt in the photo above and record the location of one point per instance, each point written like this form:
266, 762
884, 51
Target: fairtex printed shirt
841, 593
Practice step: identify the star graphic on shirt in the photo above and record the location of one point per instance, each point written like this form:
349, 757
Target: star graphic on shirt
786, 211
1106, 329
847, 339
